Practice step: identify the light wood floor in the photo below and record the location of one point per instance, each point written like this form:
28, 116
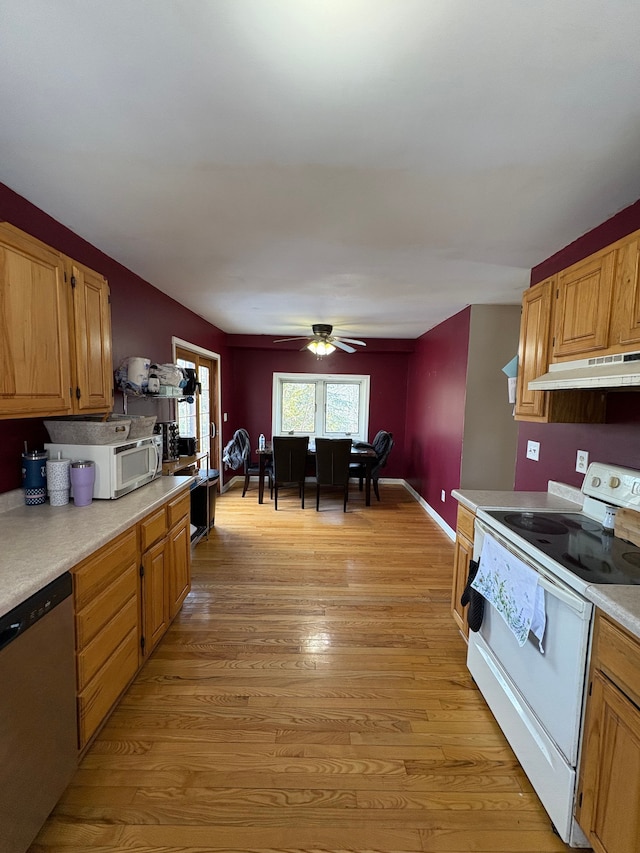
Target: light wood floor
311, 696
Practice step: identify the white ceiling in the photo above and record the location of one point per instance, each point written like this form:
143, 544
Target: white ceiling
374, 164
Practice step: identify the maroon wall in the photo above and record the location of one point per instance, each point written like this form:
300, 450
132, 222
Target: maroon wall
143, 320
435, 412
618, 440
255, 359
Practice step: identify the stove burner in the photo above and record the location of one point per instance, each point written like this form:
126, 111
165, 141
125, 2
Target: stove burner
633, 558
535, 523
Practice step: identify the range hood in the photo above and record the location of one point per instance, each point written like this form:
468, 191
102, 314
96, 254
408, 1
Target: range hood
605, 371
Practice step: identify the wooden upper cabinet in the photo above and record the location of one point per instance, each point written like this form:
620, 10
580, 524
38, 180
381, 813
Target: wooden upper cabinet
35, 376
54, 338
582, 312
533, 351
625, 325
93, 377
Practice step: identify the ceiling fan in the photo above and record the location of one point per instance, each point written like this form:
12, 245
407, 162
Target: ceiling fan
322, 342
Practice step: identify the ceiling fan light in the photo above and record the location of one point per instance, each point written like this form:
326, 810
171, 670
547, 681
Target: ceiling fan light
321, 348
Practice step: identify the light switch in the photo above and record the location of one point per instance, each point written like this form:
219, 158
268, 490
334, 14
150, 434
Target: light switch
533, 450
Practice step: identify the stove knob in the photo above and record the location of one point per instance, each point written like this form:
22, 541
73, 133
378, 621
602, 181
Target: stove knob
595, 482
614, 482
635, 489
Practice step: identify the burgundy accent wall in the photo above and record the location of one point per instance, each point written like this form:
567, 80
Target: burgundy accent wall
435, 412
618, 440
143, 321
386, 362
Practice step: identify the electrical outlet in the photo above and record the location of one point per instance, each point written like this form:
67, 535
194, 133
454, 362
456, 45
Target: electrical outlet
533, 450
582, 461
225, 417
443, 496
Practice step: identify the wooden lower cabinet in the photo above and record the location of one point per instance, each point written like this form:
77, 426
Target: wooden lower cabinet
609, 788
462, 554
125, 596
179, 544
106, 619
155, 598
166, 568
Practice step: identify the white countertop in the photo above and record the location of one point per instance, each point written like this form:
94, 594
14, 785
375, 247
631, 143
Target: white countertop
622, 603
475, 499
39, 543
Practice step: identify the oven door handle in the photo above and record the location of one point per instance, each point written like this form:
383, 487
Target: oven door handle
545, 580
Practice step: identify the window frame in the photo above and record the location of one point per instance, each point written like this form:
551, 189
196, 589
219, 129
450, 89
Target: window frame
320, 380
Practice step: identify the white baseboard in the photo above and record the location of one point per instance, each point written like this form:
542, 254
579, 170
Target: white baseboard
428, 509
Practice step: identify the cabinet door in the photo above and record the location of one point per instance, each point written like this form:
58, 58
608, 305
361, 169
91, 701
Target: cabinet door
35, 376
179, 565
154, 595
610, 783
625, 332
462, 553
533, 351
583, 306
93, 374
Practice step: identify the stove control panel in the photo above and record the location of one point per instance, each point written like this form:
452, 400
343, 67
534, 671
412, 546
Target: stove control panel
612, 484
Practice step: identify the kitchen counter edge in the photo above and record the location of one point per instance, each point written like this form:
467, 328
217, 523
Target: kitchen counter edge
40, 543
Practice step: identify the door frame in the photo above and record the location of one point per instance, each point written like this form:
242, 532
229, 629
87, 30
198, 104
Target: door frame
215, 358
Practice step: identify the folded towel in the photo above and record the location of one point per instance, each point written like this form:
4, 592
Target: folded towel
512, 587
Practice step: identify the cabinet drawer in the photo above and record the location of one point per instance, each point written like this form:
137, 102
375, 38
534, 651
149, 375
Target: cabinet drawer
153, 528
104, 644
618, 656
465, 522
96, 700
97, 572
178, 508
92, 618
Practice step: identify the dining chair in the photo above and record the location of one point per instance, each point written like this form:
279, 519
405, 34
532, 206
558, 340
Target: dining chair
238, 453
289, 463
382, 444
332, 466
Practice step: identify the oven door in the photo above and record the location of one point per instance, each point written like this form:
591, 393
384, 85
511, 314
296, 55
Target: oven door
537, 699
551, 683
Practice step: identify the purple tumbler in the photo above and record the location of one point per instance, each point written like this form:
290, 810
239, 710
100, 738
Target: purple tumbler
83, 475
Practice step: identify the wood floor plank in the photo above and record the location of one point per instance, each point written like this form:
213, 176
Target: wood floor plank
312, 696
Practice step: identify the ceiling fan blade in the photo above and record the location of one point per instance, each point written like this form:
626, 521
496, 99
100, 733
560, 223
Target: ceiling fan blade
299, 338
336, 343
352, 341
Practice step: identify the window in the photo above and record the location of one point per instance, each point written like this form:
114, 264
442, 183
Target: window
329, 405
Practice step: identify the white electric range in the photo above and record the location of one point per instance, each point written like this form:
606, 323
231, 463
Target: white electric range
535, 687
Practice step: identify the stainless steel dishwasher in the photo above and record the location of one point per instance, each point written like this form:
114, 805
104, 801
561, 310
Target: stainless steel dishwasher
38, 739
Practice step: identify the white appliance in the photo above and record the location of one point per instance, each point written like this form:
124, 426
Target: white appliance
537, 697
120, 467
620, 370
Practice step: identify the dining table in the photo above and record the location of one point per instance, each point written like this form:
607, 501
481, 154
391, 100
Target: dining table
362, 455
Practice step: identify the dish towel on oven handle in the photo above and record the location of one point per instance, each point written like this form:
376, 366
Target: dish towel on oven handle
512, 588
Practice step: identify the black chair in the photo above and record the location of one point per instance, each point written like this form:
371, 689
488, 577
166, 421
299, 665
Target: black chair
382, 444
332, 465
289, 463
238, 452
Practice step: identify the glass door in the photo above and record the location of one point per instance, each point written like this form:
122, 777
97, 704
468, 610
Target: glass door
198, 419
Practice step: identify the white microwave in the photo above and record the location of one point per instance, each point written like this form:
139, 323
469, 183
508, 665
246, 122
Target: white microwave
121, 467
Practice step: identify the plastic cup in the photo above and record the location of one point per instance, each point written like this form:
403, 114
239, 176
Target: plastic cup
83, 475
58, 481
34, 476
